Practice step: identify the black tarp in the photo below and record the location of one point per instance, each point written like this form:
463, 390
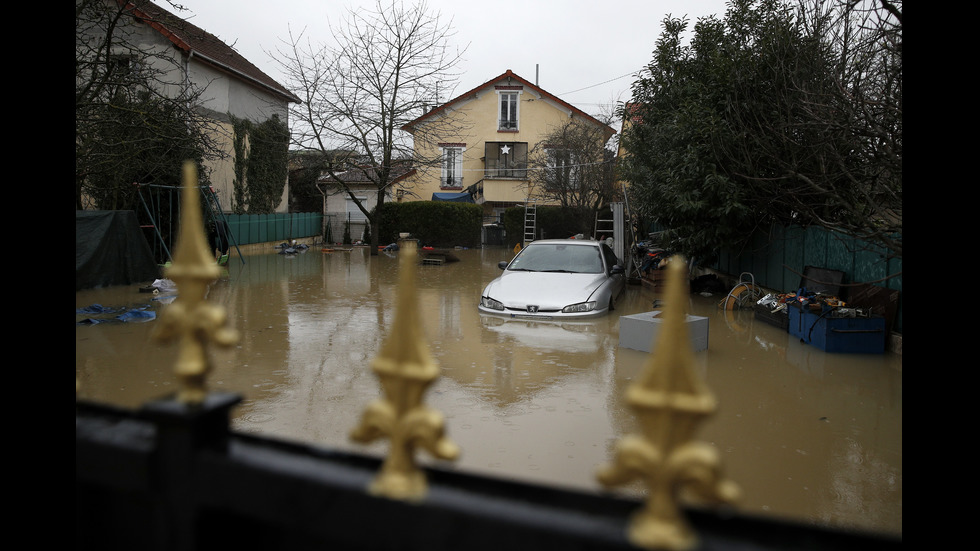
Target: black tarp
110, 250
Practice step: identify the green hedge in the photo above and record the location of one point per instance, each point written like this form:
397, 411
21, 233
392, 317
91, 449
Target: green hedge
434, 223
551, 223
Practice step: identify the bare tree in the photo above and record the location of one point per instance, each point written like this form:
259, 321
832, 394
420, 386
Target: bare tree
388, 65
865, 99
573, 166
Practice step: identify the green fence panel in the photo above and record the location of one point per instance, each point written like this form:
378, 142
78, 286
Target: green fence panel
775, 270
268, 230
257, 230
248, 229
272, 228
777, 260
281, 225
234, 228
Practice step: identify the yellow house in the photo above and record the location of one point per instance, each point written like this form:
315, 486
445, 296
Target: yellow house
483, 155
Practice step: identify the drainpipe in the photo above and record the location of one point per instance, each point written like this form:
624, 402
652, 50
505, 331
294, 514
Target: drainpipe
323, 210
187, 70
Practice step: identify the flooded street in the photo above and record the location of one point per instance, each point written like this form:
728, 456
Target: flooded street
807, 435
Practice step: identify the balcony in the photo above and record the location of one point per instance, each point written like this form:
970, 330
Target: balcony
518, 171
451, 182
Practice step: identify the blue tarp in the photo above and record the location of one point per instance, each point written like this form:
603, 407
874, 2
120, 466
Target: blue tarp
454, 197
97, 313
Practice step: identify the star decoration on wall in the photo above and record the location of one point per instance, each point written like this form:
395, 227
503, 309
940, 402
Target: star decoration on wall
505, 150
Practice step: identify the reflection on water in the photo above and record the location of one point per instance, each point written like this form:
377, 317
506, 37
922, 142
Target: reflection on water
806, 434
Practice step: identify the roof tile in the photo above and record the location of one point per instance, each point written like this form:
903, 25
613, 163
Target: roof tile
205, 46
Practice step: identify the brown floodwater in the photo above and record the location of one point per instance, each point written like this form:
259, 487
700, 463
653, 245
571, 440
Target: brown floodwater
807, 435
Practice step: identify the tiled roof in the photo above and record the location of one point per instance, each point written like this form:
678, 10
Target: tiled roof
361, 175
206, 47
514, 77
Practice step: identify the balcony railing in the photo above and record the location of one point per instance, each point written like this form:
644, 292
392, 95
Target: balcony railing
519, 172
451, 182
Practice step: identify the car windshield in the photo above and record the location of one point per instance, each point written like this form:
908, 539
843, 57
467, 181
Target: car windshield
558, 257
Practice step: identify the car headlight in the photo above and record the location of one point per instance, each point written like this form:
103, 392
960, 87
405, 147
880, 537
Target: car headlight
580, 307
488, 302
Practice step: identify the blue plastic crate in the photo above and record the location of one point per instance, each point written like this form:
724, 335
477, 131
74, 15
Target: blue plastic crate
861, 335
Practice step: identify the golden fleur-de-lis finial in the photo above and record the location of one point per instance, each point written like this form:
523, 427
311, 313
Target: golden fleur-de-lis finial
190, 318
405, 370
670, 400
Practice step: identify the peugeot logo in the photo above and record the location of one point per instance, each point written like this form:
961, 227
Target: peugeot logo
532, 309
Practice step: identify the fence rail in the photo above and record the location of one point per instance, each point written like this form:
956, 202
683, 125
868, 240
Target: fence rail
173, 478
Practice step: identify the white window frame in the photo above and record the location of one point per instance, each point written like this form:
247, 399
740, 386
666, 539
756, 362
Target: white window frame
509, 102
453, 154
498, 214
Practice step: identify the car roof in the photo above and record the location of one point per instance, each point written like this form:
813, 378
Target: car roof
564, 242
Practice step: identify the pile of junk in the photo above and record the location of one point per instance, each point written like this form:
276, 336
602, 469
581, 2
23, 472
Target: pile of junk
651, 259
812, 301
822, 311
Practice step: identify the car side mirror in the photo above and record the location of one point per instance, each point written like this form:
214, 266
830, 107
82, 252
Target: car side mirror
503, 264
617, 269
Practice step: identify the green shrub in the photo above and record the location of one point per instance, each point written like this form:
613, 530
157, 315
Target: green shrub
433, 223
550, 223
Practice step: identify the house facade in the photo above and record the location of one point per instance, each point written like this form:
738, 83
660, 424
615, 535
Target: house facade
233, 87
357, 184
485, 158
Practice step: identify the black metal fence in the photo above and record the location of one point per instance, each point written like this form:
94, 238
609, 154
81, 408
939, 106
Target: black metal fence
171, 476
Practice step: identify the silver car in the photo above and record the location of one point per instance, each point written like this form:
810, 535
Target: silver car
556, 279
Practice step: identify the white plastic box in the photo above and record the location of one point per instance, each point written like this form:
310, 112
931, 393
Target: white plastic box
640, 331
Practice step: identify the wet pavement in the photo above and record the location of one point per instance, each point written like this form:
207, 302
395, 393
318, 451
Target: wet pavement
807, 435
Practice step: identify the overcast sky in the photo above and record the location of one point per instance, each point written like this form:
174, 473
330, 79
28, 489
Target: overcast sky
584, 52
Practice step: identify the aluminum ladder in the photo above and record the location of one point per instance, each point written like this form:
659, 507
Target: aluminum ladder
605, 227
530, 221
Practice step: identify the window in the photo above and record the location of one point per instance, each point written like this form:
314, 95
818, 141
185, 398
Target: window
452, 167
354, 214
506, 160
609, 255
123, 65
498, 215
125, 71
563, 172
509, 104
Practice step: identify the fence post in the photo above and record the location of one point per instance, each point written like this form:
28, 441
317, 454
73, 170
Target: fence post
182, 432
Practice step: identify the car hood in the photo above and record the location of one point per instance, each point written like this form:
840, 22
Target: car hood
547, 290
